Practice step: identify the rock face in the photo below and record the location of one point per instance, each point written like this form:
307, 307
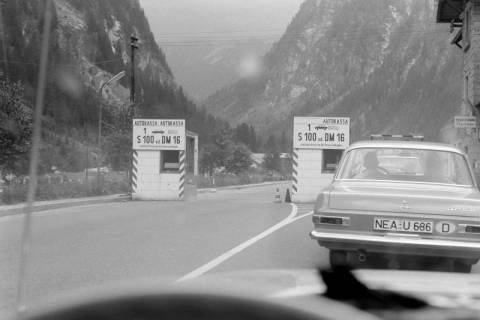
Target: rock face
383, 63
89, 42
218, 62
92, 31
207, 42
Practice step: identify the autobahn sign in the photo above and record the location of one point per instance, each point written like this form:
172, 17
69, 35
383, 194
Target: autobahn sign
321, 132
158, 134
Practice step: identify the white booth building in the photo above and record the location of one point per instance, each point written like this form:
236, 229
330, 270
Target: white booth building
163, 154
318, 144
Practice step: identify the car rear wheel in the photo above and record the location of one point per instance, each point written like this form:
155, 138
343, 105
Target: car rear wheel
338, 258
462, 266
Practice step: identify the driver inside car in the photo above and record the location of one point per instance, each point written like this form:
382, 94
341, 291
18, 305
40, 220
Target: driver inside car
372, 170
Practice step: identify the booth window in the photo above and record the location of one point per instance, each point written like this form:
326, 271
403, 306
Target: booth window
170, 160
331, 158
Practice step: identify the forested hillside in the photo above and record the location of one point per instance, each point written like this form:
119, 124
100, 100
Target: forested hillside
89, 43
385, 64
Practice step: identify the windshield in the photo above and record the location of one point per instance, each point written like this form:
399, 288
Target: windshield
152, 141
402, 164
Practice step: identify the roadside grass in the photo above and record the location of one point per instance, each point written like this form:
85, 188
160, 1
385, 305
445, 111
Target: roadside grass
229, 179
66, 185
75, 184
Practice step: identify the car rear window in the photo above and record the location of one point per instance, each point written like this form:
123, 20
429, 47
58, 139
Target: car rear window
402, 164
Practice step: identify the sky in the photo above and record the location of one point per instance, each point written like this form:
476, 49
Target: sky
186, 20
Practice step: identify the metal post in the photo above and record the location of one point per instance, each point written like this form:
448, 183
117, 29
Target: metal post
99, 143
132, 77
133, 47
116, 77
4, 48
86, 170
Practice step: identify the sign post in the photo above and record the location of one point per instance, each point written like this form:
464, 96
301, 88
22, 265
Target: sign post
318, 143
465, 122
321, 132
159, 159
154, 134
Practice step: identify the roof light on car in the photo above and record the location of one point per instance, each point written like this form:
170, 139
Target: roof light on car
398, 137
343, 221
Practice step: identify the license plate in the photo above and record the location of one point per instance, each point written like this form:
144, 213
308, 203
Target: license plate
402, 225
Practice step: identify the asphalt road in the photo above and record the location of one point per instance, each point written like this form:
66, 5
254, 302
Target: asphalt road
81, 247
96, 245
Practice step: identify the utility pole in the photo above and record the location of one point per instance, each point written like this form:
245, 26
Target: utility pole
86, 169
4, 48
116, 77
133, 47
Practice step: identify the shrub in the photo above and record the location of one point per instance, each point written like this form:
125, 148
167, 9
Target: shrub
51, 189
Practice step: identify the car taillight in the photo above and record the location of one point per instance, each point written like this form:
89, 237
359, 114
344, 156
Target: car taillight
322, 201
331, 220
343, 221
469, 228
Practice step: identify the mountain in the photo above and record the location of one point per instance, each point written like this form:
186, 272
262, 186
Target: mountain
383, 63
89, 43
219, 62
207, 42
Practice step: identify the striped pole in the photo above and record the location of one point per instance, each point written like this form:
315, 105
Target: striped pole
134, 170
181, 189
294, 170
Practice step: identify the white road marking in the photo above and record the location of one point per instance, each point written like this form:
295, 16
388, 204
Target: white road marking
302, 216
232, 252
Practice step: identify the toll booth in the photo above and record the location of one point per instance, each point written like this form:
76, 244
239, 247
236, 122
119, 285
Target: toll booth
163, 154
318, 144
191, 149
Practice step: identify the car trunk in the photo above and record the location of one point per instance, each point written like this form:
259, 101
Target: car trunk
380, 196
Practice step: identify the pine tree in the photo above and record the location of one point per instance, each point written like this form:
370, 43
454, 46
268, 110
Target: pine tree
283, 142
271, 144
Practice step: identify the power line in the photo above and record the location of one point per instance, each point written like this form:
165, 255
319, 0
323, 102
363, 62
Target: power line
107, 61
219, 32
276, 31
57, 64
286, 38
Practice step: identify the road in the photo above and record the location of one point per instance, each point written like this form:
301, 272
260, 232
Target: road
94, 245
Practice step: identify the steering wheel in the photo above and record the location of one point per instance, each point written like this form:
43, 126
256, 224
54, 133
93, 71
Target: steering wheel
175, 306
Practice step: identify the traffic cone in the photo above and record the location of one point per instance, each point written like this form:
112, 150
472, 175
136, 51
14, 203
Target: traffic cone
288, 198
277, 196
